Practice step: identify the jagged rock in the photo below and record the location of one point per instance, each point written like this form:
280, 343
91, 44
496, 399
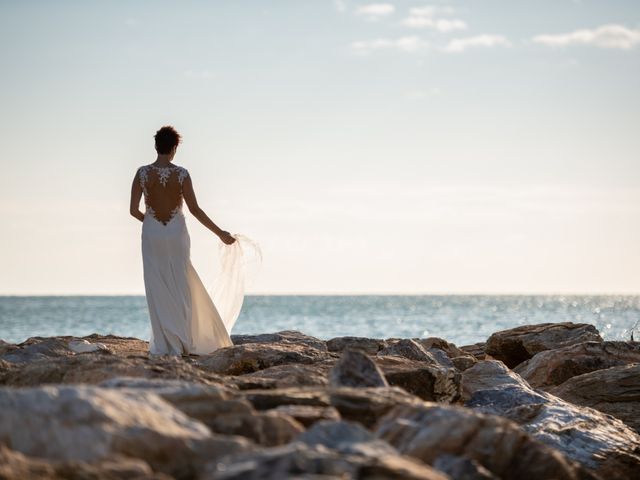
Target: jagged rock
427, 381
614, 391
363, 405
370, 346
429, 430
95, 367
6, 347
552, 367
599, 442
307, 415
515, 345
269, 428
285, 337
346, 437
407, 348
251, 357
464, 362
356, 369
38, 348
462, 468
439, 343
486, 375
290, 375
476, 350
297, 459
16, 466
88, 423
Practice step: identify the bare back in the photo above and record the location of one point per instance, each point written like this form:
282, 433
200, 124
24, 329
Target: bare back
162, 188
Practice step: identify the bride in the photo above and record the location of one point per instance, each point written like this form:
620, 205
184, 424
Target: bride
184, 319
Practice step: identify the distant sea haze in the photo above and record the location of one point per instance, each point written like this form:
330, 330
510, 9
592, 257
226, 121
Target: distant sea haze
461, 319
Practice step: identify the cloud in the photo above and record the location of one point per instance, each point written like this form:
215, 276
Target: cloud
403, 44
486, 40
340, 5
375, 11
200, 74
605, 36
428, 17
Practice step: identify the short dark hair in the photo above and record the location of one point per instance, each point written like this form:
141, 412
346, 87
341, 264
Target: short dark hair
166, 138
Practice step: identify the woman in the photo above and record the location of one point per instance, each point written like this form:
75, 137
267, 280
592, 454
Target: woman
184, 319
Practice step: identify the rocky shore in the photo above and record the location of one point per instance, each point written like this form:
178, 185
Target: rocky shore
547, 401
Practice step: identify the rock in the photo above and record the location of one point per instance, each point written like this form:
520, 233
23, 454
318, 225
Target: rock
251, 357
476, 350
429, 430
614, 391
298, 460
38, 348
269, 428
438, 343
599, 442
370, 346
346, 437
356, 369
84, 346
285, 337
462, 468
95, 368
429, 382
87, 423
464, 362
486, 375
16, 466
407, 348
308, 415
552, 367
515, 345
289, 375
6, 347
363, 405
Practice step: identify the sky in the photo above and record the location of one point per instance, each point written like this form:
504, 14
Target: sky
475, 146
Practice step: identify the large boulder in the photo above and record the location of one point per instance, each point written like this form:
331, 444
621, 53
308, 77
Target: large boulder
408, 348
552, 367
429, 431
94, 368
599, 442
363, 405
287, 375
615, 391
251, 357
285, 337
370, 346
301, 461
426, 380
88, 423
356, 369
515, 345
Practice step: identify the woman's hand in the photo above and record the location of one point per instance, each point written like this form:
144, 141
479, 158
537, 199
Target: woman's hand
226, 237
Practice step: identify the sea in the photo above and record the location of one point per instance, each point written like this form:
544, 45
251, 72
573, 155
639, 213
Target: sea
461, 319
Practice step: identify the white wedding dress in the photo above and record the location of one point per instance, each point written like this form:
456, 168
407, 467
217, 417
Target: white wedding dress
184, 319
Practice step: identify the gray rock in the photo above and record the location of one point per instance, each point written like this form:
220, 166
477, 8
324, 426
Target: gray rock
515, 345
462, 468
251, 357
356, 369
308, 415
599, 442
614, 391
408, 348
290, 375
285, 337
552, 367
428, 431
370, 346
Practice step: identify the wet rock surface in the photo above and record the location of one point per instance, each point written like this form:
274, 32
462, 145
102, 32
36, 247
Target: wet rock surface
538, 401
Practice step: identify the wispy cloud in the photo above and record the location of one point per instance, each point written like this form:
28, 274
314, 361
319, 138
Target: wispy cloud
605, 36
479, 41
429, 17
340, 6
403, 44
375, 11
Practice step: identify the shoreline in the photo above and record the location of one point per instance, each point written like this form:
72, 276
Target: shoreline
281, 404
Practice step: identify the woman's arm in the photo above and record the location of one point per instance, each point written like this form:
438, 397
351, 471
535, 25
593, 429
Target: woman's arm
136, 194
191, 201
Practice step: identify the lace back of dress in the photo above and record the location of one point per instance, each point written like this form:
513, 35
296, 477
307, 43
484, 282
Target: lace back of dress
162, 188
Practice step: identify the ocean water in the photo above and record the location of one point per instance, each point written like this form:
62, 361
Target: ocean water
461, 319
